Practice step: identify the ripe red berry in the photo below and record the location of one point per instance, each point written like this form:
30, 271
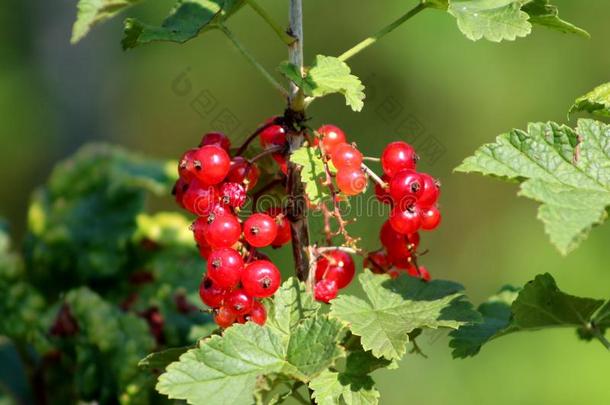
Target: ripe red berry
222, 230
225, 267
199, 198
420, 272
378, 262
241, 171
224, 317
381, 193
186, 167
393, 240
283, 227
430, 191
238, 302
325, 290
210, 293
260, 230
336, 265
273, 135
351, 181
211, 164
281, 161
232, 194
331, 137
216, 138
405, 187
178, 191
258, 314
345, 155
398, 156
198, 227
260, 279
430, 218
405, 221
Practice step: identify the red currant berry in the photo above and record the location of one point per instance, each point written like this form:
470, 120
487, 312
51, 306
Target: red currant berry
260, 230
198, 227
222, 230
405, 187
210, 293
331, 137
238, 302
186, 167
391, 239
225, 266
351, 181
378, 262
398, 156
283, 227
381, 193
178, 191
281, 161
224, 317
232, 194
405, 221
260, 279
430, 191
336, 265
420, 272
325, 290
216, 138
205, 250
273, 135
241, 171
430, 218
211, 164
199, 198
345, 155
424, 274
258, 314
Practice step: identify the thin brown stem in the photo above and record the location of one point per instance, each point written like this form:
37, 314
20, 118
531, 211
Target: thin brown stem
266, 152
244, 146
374, 176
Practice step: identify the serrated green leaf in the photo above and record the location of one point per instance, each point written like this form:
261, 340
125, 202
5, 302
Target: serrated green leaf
539, 305
543, 13
187, 20
331, 387
395, 308
494, 20
295, 342
91, 12
313, 173
597, 101
567, 170
496, 313
327, 75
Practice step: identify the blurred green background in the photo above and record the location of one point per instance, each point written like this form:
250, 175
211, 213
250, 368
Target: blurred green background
426, 83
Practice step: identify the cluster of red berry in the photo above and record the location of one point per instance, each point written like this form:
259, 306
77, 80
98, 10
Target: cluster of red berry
413, 197
334, 270
214, 186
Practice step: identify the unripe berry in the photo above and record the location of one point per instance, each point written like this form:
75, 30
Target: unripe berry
225, 267
260, 230
398, 156
325, 290
211, 164
260, 279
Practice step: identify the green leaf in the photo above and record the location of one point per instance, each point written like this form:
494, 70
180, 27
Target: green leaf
328, 75
494, 20
602, 317
567, 170
539, 305
91, 12
224, 369
597, 101
187, 20
395, 308
312, 173
496, 313
160, 360
103, 187
545, 14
